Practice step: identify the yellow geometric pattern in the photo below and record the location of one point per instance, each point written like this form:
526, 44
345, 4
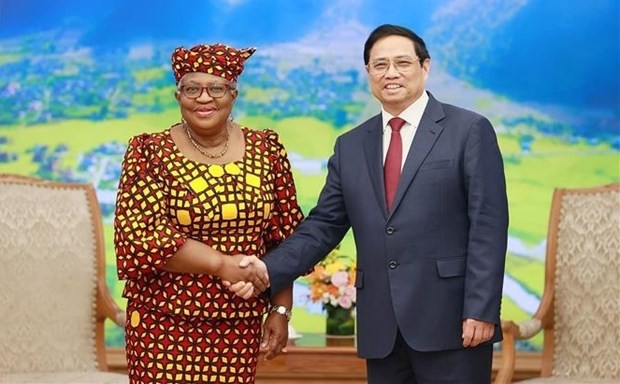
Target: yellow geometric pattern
186, 327
243, 207
166, 349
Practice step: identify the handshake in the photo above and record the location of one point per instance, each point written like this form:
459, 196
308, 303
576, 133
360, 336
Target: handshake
245, 276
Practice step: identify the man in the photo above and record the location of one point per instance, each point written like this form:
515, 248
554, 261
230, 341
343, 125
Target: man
428, 208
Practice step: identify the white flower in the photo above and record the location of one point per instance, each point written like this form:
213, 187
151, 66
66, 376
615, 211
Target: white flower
333, 301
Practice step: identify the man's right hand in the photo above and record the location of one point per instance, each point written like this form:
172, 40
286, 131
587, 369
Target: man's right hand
246, 273
246, 288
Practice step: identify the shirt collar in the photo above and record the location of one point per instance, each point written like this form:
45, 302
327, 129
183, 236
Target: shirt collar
412, 114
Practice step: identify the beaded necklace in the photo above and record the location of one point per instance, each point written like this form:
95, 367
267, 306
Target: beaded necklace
202, 149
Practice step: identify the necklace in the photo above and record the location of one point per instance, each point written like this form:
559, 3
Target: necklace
202, 149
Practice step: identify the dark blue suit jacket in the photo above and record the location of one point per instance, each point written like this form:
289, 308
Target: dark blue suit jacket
438, 257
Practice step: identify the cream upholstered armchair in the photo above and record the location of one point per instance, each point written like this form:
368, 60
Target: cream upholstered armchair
579, 311
53, 296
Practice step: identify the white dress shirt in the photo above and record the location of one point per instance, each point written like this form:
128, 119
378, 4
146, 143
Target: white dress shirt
412, 115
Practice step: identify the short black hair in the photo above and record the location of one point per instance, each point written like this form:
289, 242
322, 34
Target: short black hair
386, 30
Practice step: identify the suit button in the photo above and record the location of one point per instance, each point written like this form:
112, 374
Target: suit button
390, 230
393, 264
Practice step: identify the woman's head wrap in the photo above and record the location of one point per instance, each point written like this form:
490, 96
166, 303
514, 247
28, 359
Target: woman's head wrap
217, 59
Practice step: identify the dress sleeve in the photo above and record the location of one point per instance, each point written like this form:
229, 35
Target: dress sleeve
144, 238
286, 214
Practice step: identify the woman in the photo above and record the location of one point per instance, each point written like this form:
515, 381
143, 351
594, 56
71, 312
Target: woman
193, 199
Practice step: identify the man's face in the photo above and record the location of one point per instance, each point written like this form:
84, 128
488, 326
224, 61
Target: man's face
395, 74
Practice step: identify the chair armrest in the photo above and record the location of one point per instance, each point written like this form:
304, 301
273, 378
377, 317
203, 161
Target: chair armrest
505, 372
527, 328
107, 307
512, 332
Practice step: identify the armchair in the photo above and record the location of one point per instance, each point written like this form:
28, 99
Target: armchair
579, 311
53, 295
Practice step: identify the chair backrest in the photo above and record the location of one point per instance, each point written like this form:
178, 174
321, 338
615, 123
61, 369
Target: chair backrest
51, 252
584, 252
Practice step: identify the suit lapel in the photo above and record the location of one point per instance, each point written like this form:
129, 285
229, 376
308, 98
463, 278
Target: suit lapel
373, 151
425, 137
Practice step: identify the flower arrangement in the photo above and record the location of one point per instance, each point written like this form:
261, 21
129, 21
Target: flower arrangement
332, 281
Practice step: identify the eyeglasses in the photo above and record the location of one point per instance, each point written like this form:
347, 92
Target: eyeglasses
215, 90
401, 65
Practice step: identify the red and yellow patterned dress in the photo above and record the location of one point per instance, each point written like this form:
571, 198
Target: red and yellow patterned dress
188, 328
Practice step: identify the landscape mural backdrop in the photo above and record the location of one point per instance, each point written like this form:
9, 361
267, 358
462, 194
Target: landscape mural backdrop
79, 78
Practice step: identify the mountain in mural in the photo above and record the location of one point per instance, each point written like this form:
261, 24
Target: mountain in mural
539, 52
564, 59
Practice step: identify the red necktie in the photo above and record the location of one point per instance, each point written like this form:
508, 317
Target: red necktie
393, 161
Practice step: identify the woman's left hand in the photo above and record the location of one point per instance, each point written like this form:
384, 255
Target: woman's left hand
275, 335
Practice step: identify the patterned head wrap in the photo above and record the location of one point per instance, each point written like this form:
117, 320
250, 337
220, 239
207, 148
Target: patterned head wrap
218, 59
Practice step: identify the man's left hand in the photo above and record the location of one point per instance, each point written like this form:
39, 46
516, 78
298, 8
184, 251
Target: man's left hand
476, 332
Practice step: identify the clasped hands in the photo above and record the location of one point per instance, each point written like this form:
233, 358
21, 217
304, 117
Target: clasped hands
245, 276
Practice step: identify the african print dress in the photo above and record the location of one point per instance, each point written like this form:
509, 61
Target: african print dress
188, 328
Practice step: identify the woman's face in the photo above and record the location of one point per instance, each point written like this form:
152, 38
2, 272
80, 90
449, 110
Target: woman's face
205, 113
